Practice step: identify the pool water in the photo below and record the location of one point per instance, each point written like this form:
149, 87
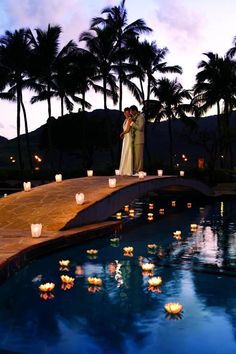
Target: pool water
124, 315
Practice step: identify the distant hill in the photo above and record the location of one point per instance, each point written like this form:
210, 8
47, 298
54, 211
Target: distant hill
3, 139
69, 134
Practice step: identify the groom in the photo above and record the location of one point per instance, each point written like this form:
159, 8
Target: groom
137, 131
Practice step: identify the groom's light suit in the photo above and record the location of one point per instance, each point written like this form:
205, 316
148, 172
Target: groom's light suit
137, 132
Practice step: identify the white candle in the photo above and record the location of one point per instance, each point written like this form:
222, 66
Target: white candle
79, 197
27, 186
181, 173
36, 230
117, 172
112, 182
160, 173
141, 174
89, 173
58, 178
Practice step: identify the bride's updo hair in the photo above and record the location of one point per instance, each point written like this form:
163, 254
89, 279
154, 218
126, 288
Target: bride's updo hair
126, 109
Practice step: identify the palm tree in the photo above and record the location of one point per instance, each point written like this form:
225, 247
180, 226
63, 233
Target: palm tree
116, 19
149, 60
46, 55
232, 51
14, 59
84, 76
171, 97
100, 43
216, 85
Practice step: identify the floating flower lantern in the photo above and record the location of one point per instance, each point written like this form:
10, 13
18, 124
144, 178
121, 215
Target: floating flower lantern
89, 173
155, 281
114, 241
66, 279
67, 282
193, 227
147, 267
119, 216
177, 235
64, 265
131, 213
117, 172
162, 211
94, 281
173, 203
126, 208
58, 178
159, 173
173, 308
36, 230
151, 206
64, 262
189, 205
150, 217
181, 173
152, 247
128, 251
79, 197
112, 182
46, 287
27, 186
92, 252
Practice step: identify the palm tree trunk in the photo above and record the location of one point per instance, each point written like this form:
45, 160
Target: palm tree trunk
148, 98
219, 126
49, 130
18, 127
120, 94
83, 102
62, 106
142, 90
171, 141
27, 135
105, 91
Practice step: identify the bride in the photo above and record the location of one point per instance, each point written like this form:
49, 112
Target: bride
126, 160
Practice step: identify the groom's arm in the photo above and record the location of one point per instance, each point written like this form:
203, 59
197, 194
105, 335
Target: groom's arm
139, 123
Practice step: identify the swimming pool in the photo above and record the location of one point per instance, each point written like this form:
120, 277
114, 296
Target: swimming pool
125, 315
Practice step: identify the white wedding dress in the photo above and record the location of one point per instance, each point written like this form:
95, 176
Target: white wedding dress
126, 160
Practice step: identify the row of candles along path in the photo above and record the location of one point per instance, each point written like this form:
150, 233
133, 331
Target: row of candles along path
95, 283
112, 181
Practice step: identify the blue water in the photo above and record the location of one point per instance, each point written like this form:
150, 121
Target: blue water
198, 271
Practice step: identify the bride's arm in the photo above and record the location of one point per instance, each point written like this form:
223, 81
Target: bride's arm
127, 129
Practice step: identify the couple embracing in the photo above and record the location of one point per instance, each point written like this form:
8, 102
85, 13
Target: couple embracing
131, 161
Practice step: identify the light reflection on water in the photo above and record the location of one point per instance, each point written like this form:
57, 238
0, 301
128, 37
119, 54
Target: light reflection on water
124, 316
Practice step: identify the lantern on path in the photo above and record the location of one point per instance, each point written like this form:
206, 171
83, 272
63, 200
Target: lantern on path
58, 178
36, 230
112, 182
27, 186
79, 197
89, 173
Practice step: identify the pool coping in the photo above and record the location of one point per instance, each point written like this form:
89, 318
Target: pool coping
17, 260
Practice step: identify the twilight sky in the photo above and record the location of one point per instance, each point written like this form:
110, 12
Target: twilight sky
187, 27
